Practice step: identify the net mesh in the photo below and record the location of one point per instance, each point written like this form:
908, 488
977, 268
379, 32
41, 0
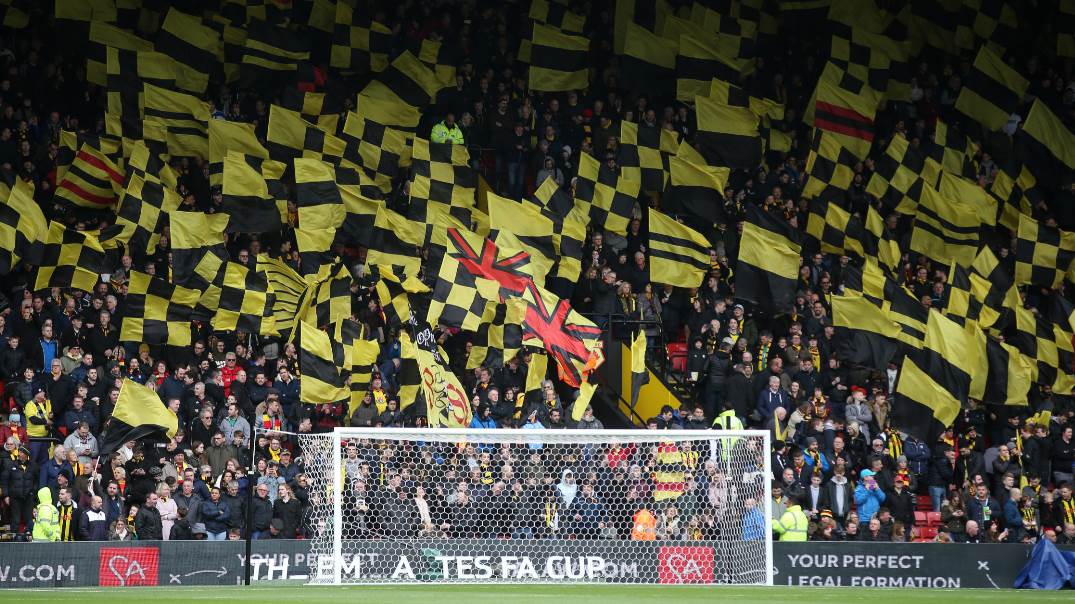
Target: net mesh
538, 506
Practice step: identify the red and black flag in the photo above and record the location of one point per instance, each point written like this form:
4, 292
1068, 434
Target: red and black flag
568, 337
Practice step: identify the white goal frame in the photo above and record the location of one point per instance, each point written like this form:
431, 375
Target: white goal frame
518, 436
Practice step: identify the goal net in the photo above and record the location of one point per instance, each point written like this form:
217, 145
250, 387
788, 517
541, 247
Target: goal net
608, 506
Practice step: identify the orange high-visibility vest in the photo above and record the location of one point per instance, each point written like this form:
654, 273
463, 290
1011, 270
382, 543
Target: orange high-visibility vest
645, 526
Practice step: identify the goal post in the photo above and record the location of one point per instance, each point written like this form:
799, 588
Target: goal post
397, 505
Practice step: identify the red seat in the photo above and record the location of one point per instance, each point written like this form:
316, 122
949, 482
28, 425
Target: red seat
933, 518
927, 532
677, 356
920, 519
925, 502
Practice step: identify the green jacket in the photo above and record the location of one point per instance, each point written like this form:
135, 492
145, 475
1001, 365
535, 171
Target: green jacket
443, 134
792, 526
47, 521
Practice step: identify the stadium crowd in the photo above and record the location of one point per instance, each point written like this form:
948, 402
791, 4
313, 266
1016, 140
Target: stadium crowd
997, 474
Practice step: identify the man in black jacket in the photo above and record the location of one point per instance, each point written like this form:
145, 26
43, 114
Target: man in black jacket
717, 370
901, 503
147, 524
236, 506
17, 479
262, 512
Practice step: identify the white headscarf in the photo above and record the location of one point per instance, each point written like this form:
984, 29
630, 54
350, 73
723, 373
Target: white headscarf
567, 491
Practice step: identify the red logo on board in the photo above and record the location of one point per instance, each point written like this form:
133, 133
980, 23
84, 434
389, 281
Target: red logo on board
128, 566
684, 564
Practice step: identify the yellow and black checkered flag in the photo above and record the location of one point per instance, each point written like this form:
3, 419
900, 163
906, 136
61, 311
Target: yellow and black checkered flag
243, 301
499, 336
1016, 195
442, 174
148, 198
406, 81
993, 286
23, 228
198, 250
102, 37
644, 154
70, 260
291, 137
394, 292
609, 196
320, 211
314, 107
992, 91
375, 147
321, 361
157, 311
1043, 253
953, 150
830, 168
359, 43
899, 175
459, 297
328, 296
253, 193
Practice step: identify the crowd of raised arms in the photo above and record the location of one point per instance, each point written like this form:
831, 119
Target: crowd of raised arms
840, 459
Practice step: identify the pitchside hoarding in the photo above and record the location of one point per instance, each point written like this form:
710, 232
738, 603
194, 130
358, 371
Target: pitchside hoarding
895, 565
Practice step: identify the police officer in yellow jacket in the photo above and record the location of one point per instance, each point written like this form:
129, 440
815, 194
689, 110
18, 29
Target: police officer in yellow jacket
792, 526
447, 131
46, 517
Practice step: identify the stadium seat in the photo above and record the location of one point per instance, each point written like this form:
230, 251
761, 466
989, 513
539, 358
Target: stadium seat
933, 518
920, 519
928, 533
924, 503
677, 356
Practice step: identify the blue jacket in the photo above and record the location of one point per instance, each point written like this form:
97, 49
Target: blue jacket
768, 401
868, 501
753, 525
918, 455
592, 512
477, 422
825, 465
215, 516
51, 470
289, 393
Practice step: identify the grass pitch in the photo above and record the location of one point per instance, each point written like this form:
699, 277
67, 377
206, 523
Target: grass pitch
503, 594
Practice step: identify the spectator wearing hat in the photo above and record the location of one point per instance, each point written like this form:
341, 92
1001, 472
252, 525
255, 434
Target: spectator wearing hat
39, 418
868, 495
901, 502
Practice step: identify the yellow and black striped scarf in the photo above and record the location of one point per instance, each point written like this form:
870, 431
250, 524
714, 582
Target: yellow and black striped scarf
894, 444
1067, 509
